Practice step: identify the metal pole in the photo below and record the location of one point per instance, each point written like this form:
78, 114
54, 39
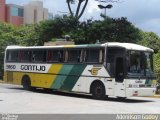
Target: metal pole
105, 11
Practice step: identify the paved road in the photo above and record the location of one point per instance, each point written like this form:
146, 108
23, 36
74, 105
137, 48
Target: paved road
13, 99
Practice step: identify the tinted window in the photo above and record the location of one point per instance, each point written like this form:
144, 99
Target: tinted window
39, 56
55, 56
12, 55
74, 56
92, 55
26, 55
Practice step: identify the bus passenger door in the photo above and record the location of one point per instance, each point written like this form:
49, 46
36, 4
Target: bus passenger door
119, 77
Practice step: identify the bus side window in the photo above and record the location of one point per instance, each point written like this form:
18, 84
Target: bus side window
12, 56
101, 56
55, 56
39, 56
7, 56
60, 55
92, 55
49, 55
26, 56
75, 55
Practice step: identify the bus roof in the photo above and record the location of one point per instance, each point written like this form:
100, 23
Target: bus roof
128, 46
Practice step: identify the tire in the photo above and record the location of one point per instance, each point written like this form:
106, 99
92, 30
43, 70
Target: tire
98, 91
121, 98
26, 83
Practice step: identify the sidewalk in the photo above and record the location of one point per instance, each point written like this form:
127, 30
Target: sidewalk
1, 81
155, 96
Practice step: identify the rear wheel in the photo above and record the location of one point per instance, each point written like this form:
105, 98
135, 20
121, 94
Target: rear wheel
98, 91
26, 83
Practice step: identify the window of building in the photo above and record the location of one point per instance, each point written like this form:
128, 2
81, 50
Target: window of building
16, 11
20, 12
50, 16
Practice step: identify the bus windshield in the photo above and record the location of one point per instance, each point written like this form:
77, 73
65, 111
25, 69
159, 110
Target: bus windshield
140, 63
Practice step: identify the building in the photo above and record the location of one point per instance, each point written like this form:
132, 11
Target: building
30, 13
14, 14
2, 10
36, 12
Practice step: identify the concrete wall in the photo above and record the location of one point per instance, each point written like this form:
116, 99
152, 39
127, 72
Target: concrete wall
45, 14
29, 14
34, 12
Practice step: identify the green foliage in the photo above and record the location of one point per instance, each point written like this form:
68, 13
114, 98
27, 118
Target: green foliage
46, 30
7, 37
108, 30
157, 65
151, 40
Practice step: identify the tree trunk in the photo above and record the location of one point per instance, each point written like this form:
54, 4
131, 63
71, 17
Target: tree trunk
84, 7
69, 7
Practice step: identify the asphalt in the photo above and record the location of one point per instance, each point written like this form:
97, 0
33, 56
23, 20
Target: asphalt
13, 99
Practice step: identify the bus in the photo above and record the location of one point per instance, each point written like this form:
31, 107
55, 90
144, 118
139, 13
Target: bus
111, 69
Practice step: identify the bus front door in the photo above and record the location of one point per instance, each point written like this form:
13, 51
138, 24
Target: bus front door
119, 77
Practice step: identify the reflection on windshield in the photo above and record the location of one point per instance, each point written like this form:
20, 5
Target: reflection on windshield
139, 63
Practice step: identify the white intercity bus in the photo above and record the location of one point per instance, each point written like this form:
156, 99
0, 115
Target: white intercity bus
109, 69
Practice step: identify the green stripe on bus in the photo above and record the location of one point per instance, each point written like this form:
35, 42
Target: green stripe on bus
73, 77
65, 70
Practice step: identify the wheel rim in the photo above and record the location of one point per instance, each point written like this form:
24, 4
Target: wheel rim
98, 91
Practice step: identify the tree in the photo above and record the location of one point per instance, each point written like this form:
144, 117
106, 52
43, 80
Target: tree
81, 6
157, 65
151, 40
26, 35
7, 37
60, 26
108, 30
78, 13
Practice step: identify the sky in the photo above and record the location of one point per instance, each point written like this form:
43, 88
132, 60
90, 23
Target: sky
144, 14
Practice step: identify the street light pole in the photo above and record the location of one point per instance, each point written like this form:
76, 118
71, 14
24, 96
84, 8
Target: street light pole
109, 6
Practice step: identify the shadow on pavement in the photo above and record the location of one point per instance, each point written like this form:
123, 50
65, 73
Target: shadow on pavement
84, 96
87, 96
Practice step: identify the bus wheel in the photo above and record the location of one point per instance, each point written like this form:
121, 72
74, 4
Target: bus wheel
26, 83
121, 98
98, 91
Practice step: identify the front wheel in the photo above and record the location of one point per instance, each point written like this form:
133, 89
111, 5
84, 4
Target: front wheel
98, 91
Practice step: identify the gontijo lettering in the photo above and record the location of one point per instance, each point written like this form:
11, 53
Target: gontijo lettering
33, 68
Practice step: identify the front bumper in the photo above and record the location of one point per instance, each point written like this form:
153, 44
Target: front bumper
140, 92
